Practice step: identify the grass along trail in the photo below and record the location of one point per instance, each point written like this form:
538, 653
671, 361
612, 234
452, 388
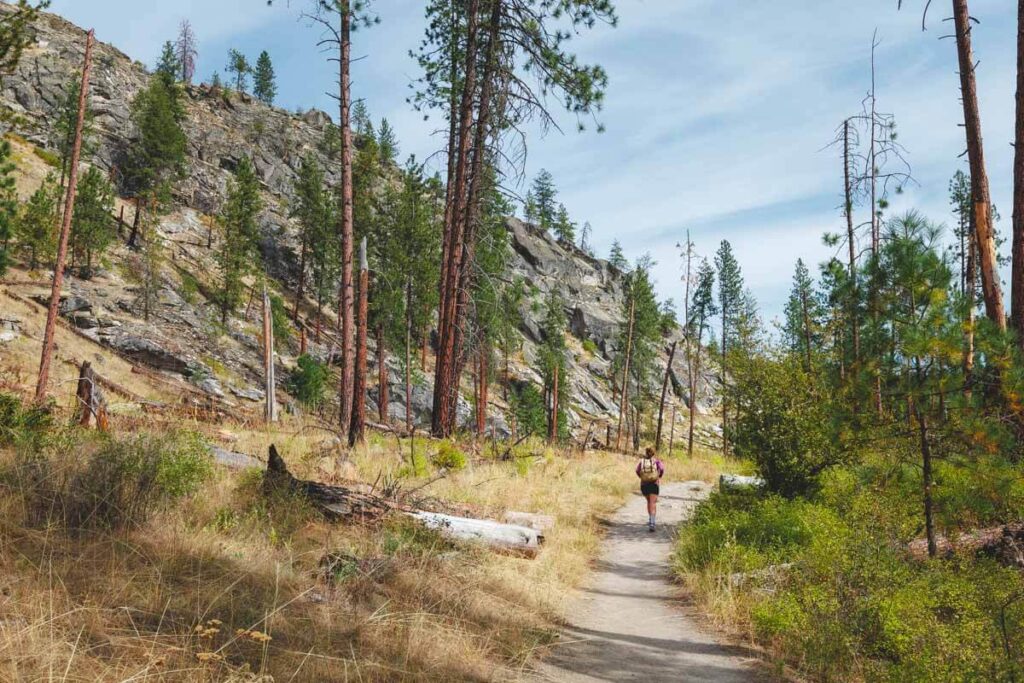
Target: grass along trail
628, 624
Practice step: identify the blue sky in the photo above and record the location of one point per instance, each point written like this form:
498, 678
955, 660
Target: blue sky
717, 111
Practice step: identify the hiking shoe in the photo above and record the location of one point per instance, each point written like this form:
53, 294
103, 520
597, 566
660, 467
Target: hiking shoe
650, 527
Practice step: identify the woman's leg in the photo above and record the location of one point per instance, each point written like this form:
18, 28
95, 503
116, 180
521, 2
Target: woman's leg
652, 504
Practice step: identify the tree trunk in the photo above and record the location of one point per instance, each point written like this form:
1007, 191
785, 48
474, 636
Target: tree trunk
664, 392
1017, 285
693, 387
300, 290
972, 288
851, 241
268, 359
382, 377
65, 230
624, 391
356, 429
926, 473
979, 178
672, 431
553, 421
445, 381
346, 302
134, 234
807, 327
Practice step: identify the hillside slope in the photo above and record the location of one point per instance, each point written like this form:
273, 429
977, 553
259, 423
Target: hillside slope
184, 337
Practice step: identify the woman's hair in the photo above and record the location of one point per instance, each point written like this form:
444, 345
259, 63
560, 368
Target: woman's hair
649, 453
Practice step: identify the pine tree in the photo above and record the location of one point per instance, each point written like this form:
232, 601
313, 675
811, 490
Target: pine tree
551, 359
215, 81
312, 212
616, 259
361, 123
239, 66
36, 223
155, 158
544, 196
530, 207
731, 305
264, 82
564, 228
702, 309
8, 197
803, 317
387, 143
66, 125
638, 340
239, 230
92, 224
15, 33
168, 68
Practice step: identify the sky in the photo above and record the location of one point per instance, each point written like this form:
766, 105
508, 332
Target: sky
717, 117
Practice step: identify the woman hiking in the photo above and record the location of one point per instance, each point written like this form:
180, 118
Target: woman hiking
650, 470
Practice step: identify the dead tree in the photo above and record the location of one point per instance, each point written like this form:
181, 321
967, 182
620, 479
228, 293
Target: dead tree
91, 403
65, 229
1017, 283
268, 360
664, 393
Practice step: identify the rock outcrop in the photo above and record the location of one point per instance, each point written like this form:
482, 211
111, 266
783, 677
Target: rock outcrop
182, 335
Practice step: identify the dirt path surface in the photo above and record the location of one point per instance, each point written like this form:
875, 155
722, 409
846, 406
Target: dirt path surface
628, 624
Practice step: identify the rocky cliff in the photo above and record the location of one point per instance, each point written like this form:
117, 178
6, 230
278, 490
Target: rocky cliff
182, 336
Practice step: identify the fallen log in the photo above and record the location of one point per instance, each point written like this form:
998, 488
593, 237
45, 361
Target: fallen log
530, 519
1005, 544
738, 482
340, 502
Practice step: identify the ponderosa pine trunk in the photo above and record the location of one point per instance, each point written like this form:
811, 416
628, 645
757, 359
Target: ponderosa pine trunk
357, 427
65, 230
346, 301
693, 385
382, 377
664, 393
1017, 282
991, 290
851, 242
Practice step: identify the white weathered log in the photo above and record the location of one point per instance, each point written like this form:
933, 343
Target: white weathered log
738, 482
530, 520
510, 536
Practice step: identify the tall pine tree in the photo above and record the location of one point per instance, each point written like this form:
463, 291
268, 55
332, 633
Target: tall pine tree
264, 82
239, 231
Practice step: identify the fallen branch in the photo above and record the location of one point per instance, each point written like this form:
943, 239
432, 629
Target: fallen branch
1005, 544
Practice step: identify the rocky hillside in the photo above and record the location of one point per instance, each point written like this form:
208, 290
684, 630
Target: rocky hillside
183, 337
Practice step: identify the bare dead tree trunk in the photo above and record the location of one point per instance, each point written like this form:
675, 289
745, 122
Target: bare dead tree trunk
851, 240
624, 393
971, 290
65, 229
989, 267
672, 431
136, 221
268, 360
357, 428
693, 386
926, 473
664, 393
553, 422
346, 301
1017, 283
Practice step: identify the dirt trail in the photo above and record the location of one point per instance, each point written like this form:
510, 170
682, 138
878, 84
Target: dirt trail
628, 624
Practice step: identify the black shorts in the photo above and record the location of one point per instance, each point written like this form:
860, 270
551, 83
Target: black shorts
650, 488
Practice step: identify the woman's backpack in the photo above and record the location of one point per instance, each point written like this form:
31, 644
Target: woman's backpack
648, 471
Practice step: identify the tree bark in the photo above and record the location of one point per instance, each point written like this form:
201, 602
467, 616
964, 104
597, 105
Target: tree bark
65, 230
624, 393
979, 178
971, 289
664, 392
357, 427
553, 420
134, 234
693, 387
926, 473
1017, 284
382, 377
346, 301
268, 360
300, 290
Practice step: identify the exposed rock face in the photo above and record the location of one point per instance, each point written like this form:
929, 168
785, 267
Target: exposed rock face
182, 335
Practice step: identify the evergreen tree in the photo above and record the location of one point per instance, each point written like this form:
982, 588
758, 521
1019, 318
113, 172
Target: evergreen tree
155, 158
564, 228
168, 68
239, 230
544, 197
638, 340
702, 309
15, 32
66, 125
616, 259
361, 123
215, 81
732, 306
366, 181
264, 82
36, 223
803, 317
387, 143
551, 359
8, 196
239, 66
92, 225
530, 207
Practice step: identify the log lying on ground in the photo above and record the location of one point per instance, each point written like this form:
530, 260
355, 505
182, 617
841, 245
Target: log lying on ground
1005, 544
738, 482
530, 520
339, 502
495, 534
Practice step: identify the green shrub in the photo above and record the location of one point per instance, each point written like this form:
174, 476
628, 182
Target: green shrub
19, 423
308, 383
48, 157
528, 412
280, 321
105, 484
590, 347
448, 457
